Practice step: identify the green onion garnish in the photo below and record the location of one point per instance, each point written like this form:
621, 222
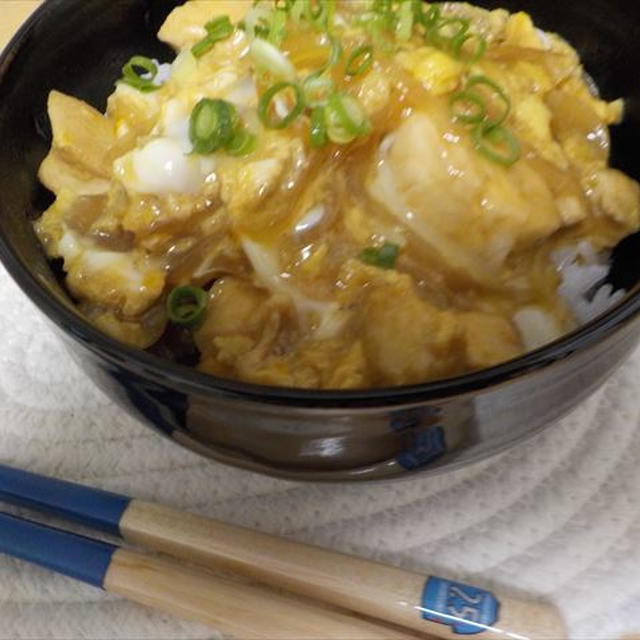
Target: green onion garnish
460, 51
267, 98
212, 125
277, 23
346, 119
269, 59
217, 30
496, 90
431, 17
242, 144
467, 107
384, 257
360, 60
142, 82
496, 143
317, 90
318, 131
187, 306
445, 32
335, 53
319, 13
406, 17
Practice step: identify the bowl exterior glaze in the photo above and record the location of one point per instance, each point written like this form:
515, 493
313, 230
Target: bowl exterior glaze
304, 442
78, 46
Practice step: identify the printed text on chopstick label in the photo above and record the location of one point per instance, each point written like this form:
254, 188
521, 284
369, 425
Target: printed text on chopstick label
466, 609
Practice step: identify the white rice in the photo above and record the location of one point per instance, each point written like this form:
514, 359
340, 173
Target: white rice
583, 287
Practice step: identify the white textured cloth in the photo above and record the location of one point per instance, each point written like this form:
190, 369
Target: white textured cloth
558, 516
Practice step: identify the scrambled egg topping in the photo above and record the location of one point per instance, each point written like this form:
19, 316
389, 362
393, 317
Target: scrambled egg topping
401, 255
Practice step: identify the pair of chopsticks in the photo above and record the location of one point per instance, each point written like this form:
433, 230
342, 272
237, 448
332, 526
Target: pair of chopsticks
319, 594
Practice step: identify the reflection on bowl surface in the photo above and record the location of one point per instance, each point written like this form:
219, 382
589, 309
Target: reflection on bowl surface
304, 434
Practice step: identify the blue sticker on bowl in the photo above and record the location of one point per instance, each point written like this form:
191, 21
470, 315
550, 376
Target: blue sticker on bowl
425, 446
466, 609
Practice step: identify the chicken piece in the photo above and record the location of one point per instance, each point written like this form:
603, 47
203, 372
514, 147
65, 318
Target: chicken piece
247, 182
374, 92
126, 282
238, 311
349, 371
405, 339
578, 127
50, 226
133, 112
616, 196
145, 216
242, 331
69, 212
141, 332
57, 173
330, 364
533, 124
490, 340
185, 24
471, 211
82, 135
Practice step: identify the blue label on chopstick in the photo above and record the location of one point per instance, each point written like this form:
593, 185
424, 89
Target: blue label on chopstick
466, 609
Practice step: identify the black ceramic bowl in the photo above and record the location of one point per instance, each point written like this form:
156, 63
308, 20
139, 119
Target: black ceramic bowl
78, 46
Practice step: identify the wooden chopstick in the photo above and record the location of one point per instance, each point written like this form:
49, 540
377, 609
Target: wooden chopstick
234, 608
426, 604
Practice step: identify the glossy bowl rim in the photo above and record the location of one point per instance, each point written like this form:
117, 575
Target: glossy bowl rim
178, 376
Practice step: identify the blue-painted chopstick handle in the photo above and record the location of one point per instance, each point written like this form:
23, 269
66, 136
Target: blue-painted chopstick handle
92, 507
67, 553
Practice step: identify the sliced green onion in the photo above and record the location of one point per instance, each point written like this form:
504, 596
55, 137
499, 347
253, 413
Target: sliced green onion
459, 49
360, 60
318, 131
406, 17
431, 17
317, 90
284, 5
335, 53
242, 144
445, 32
382, 6
320, 16
496, 143
256, 22
277, 23
142, 82
269, 95
496, 90
217, 30
346, 119
187, 306
212, 125
384, 257
378, 25
269, 59
297, 11
467, 107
